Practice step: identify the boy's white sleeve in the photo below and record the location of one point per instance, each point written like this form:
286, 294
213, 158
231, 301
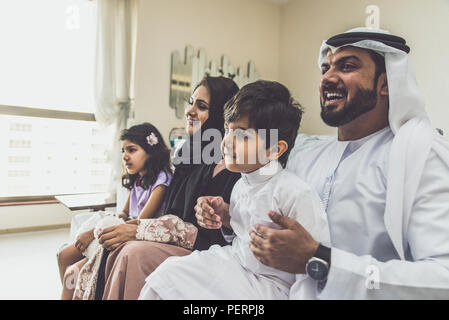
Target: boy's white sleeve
297, 200
229, 234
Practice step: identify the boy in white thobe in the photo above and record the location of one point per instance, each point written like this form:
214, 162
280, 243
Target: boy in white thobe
233, 272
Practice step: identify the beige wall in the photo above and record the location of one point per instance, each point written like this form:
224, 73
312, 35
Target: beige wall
424, 24
243, 30
18, 217
282, 40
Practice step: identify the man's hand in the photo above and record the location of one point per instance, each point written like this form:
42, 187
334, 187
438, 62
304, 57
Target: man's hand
212, 212
111, 238
83, 240
288, 249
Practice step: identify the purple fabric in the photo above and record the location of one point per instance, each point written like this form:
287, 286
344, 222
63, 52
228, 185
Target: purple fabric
139, 196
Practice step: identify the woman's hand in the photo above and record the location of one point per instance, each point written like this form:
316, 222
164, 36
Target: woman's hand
111, 238
83, 240
212, 212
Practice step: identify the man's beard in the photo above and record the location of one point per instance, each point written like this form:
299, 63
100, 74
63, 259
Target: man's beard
363, 101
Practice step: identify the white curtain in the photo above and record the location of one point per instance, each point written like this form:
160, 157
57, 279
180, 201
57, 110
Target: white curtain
114, 72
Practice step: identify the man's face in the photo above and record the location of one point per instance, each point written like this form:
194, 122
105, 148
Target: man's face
347, 87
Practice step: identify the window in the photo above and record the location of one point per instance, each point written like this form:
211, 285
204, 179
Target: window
50, 142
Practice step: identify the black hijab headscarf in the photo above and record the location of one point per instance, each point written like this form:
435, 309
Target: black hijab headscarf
191, 179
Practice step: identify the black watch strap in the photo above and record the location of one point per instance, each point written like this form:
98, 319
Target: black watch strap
323, 253
227, 231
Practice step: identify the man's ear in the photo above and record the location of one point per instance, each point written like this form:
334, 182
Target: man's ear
383, 84
282, 146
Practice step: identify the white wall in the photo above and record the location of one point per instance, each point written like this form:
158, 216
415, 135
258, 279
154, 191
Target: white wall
243, 30
424, 24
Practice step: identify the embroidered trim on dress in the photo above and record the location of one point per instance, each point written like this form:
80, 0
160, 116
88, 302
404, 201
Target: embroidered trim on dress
167, 229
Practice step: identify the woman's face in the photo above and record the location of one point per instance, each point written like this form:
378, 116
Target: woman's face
197, 112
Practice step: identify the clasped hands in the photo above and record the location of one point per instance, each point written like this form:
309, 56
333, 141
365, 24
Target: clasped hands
287, 249
112, 237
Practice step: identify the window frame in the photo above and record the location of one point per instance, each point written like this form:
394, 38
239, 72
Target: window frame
40, 113
44, 113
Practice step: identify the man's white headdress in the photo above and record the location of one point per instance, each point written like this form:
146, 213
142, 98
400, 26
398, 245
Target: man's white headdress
414, 135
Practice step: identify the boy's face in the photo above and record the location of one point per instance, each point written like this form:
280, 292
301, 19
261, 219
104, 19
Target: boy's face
243, 149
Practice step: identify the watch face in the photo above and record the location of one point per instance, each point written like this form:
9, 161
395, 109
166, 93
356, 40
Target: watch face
317, 270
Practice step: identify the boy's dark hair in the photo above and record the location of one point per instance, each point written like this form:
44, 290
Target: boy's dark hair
159, 155
268, 105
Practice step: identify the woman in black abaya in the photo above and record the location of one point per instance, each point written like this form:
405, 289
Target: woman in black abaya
196, 174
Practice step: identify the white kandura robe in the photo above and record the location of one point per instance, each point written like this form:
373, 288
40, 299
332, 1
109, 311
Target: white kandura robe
233, 272
352, 183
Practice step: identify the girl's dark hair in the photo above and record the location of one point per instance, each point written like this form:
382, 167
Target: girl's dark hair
159, 155
268, 105
220, 89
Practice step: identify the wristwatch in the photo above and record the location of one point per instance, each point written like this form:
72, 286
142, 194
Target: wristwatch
318, 266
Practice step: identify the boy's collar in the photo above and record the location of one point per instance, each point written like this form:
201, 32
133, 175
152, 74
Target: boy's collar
262, 174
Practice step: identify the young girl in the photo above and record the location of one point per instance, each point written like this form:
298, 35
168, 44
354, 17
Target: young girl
148, 174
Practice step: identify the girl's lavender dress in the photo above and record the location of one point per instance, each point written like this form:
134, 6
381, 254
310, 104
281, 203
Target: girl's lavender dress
86, 284
139, 196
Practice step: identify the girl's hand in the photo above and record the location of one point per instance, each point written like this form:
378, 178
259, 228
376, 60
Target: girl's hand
83, 240
123, 216
111, 238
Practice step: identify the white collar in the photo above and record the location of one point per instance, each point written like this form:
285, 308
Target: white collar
262, 174
355, 144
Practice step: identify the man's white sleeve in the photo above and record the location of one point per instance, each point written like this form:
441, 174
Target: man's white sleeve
427, 276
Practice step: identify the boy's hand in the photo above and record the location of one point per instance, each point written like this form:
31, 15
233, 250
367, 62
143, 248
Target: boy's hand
83, 240
212, 212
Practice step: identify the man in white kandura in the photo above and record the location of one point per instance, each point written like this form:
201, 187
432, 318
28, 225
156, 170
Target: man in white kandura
384, 182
